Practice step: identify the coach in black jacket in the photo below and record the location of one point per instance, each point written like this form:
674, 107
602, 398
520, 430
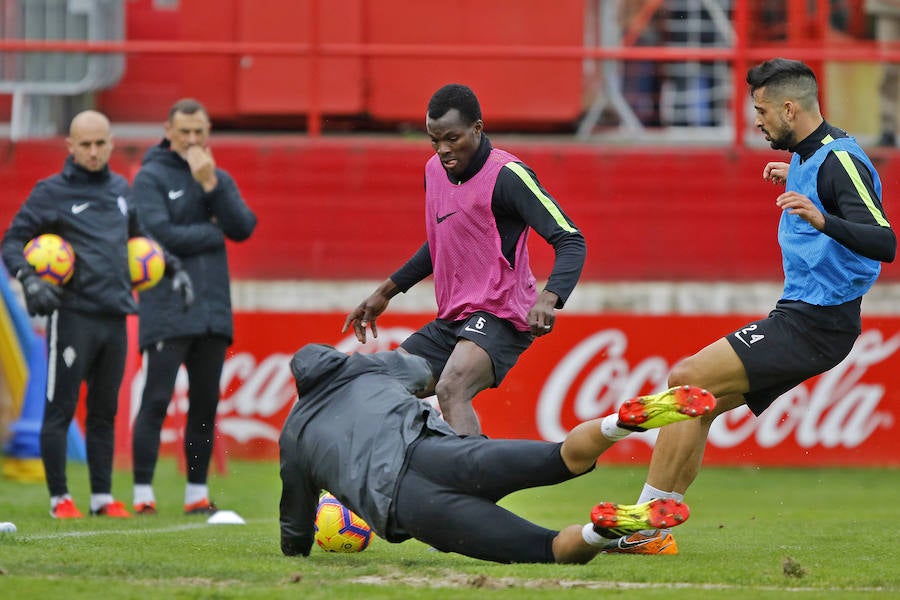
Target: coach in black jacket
192, 207
87, 205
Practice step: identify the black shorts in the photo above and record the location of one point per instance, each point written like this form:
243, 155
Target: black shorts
503, 342
785, 349
447, 496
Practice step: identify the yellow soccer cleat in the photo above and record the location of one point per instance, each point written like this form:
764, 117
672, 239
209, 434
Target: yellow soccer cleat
616, 520
673, 405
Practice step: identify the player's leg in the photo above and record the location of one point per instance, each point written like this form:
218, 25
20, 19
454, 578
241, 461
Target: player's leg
487, 348
452, 521
753, 366
468, 371
67, 351
434, 342
447, 500
103, 382
679, 446
203, 362
162, 361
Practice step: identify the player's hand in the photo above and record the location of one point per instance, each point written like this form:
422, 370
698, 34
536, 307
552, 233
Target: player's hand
803, 207
776, 172
364, 316
203, 167
184, 287
41, 297
542, 315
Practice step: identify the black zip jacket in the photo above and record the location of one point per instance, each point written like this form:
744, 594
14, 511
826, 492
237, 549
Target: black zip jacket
193, 225
90, 210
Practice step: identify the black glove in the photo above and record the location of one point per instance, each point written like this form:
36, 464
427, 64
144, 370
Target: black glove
181, 284
41, 297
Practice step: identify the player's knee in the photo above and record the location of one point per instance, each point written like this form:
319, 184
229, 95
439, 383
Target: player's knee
682, 373
449, 389
458, 388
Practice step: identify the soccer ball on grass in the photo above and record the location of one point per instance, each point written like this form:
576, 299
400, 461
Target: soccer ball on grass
52, 258
146, 262
338, 529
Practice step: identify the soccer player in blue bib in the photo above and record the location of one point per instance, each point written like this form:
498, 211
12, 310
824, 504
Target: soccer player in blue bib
833, 234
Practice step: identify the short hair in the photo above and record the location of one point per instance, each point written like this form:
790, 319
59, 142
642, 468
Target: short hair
187, 106
785, 78
458, 96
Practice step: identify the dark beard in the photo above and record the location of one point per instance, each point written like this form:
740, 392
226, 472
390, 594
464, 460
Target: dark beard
785, 143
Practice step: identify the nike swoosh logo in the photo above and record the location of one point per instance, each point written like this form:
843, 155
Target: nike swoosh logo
80, 208
625, 544
467, 328
440, 219
643, 545
175, 195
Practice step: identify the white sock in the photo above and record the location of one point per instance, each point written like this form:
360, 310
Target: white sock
54, 500
610, 429
98, 501
651, 493
143, 494
195, 492
591, 537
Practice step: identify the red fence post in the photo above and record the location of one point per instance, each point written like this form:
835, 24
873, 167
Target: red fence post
314, 118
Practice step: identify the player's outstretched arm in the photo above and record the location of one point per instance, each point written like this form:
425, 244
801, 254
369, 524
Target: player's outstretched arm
369, 310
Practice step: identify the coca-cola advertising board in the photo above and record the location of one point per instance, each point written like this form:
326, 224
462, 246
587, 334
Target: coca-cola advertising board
584, 369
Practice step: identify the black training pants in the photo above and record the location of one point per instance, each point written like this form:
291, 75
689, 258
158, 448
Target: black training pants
447, 497
90, 348
203, 358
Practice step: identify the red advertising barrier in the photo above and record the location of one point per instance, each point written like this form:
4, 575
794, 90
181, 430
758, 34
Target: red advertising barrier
583, 370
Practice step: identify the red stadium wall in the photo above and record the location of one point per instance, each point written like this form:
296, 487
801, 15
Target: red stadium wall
275, 89
351, 208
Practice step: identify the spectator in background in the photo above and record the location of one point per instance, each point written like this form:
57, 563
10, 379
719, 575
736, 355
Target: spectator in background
886, 14
87, 205
480, 204
192, 207
642, 80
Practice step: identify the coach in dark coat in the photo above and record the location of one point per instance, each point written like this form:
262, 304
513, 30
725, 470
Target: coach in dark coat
192, 207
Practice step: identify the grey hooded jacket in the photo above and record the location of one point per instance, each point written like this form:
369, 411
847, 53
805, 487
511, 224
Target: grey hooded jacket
349, 433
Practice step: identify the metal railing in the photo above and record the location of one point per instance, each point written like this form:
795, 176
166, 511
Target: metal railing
805, 39
35, 78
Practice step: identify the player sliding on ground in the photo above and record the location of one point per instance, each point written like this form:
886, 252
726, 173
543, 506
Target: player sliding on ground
359, 431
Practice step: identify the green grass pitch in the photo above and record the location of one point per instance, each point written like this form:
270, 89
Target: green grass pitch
753, 533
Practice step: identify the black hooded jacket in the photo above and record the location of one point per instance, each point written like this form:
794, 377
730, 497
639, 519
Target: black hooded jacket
90, 210
193, 225
349, 433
